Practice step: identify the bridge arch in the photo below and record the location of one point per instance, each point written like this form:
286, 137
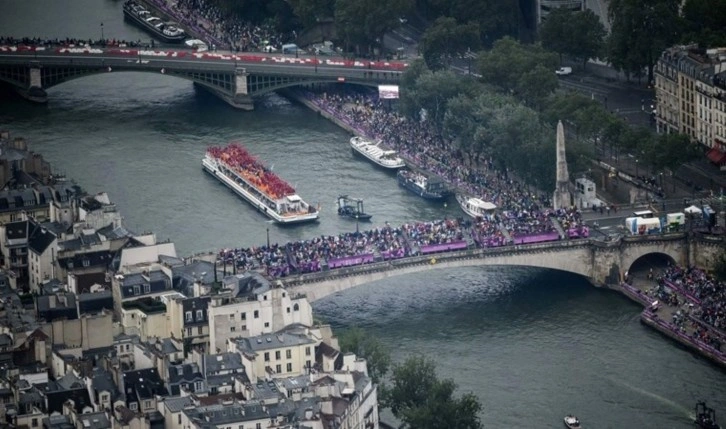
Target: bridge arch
654, 260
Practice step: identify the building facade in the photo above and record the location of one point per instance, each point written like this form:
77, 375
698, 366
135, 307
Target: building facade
690, 88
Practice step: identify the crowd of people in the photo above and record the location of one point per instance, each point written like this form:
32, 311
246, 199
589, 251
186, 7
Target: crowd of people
226, 30
704, 298
57, 43
709, 293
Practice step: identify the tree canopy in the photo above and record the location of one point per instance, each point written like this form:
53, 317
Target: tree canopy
527, 71
703, 22
422, 401
378, 358
447, 39
579, 35
640, 31
362, 23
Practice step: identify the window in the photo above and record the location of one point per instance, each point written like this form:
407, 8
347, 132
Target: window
178, 419
264, 297
147, 404
147, 288
200, 315
136, 290
200, 330
288, 354
198, 385
289, 367
284, 294
188, 316
34, 422
307, 364
231, 316
307, 351
244, 327
258, 426
295, 307
267, 324
288, 309
277, 355
127, 347
86, 262
134, 406
189, 332
257, 314
243, 316
278, 369
232, 328
267, 356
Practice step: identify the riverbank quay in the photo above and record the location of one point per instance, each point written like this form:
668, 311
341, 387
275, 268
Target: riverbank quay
331, 115
657, 314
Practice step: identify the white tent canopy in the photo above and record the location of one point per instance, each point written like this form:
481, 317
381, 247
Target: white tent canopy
692, 210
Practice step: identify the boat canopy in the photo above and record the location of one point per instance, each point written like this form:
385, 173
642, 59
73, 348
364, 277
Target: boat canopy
484, 205
294, 198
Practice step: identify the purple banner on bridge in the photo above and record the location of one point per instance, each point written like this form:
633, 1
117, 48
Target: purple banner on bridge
393, 254
350, 261
537, 238
582, 232
445, 247
688, 295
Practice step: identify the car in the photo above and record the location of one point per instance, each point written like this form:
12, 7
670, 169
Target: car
563, 71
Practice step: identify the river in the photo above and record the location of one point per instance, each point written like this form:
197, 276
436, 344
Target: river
533, 345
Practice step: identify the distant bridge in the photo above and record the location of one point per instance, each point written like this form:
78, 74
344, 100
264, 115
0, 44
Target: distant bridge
602, 262
236, 78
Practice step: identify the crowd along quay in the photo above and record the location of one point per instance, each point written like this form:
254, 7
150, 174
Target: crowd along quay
234, 166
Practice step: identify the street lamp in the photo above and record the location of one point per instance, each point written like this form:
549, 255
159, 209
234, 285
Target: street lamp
636, 168
102, 31
356, 223
268, 238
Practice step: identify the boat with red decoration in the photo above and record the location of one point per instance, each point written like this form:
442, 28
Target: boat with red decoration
239, 170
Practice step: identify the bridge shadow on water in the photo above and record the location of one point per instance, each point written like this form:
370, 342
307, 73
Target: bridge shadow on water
457, 294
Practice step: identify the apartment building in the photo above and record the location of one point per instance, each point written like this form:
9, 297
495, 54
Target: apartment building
690, 88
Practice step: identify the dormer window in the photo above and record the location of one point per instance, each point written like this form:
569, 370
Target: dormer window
86, 263
200, 315
188, 316
147, 288
136, 290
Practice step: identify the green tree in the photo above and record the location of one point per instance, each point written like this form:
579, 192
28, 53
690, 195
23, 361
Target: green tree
704, 22
579, 35
420, 400
640, 31
522, 70
447, 39
311, 11
378, 358
670, 151
495, 18
362, 23
432, 92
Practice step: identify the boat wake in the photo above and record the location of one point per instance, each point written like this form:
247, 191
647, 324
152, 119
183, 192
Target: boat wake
658, 398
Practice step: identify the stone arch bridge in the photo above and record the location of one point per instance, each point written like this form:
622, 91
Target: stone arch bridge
602, 262
236, 78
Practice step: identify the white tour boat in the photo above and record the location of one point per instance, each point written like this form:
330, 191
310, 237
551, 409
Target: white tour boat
475, 207
248, 178
376, 154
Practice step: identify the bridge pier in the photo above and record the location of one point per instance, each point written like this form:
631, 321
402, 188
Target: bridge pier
34, 92
239, 96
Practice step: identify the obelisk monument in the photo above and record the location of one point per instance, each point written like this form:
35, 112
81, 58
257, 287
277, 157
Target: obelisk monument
562, 198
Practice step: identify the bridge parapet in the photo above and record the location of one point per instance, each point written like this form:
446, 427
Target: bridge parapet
602, 262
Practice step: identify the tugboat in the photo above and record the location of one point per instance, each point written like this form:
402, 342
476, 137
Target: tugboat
572, 422
705, 417
422, 185
352, 208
